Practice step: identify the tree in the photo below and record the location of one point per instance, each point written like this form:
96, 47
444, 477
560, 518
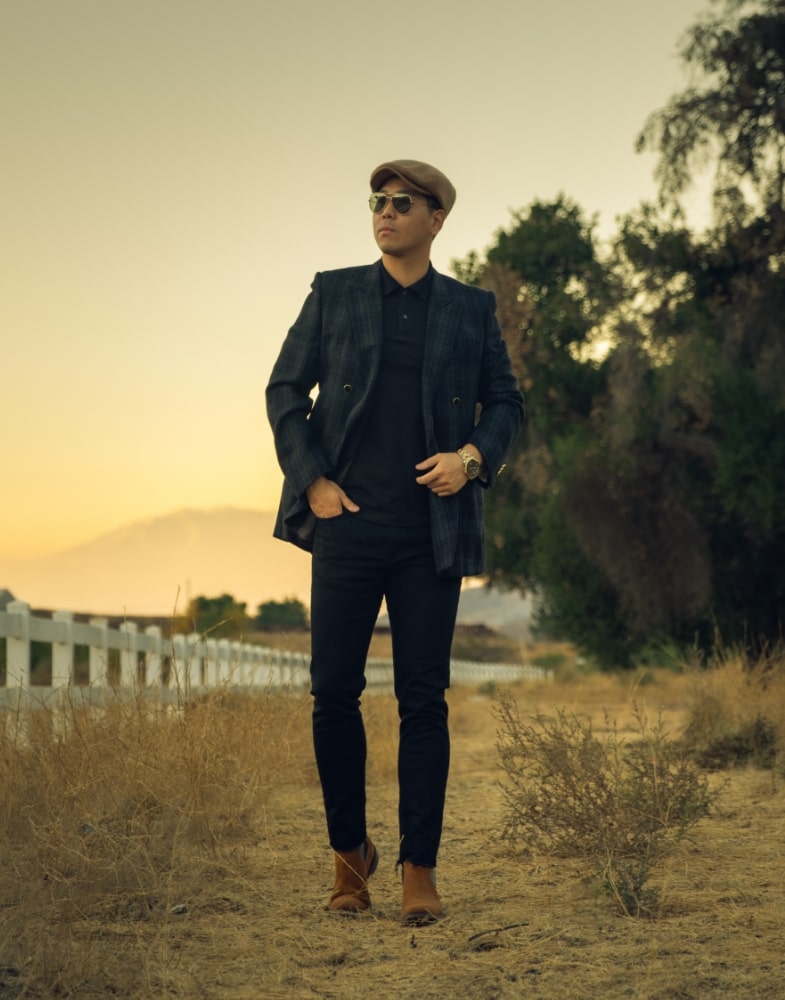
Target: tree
734, 117
644, 503
220, 617
552, 294
287, 614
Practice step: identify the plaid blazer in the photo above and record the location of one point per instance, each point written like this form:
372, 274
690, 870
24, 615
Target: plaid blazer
469, 396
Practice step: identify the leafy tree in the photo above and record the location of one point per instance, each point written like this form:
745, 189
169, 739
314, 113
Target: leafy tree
644, 503
730, 354
734, 116
287, 614
220, 617
562, 292
552, 293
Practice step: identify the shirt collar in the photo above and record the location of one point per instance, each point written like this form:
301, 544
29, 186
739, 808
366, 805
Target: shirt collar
420, 288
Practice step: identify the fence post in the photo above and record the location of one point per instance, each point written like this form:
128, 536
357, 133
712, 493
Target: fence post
276, 674
152, 659
222, 665
210, 667
17, 672
63, 649
129, 661
245, 652
179, 673
99, 653
257, 663
195, 655
237, 664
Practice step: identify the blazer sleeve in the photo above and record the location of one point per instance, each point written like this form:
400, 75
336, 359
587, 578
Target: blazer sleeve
502, 411
288, 396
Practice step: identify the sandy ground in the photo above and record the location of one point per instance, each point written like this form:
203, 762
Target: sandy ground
246, 920
537, 927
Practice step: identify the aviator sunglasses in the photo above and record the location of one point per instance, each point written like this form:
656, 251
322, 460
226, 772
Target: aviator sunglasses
402, 202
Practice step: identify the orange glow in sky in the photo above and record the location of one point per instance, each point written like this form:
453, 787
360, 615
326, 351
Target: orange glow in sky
174, 174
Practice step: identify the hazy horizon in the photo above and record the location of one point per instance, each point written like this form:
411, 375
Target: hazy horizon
153, 567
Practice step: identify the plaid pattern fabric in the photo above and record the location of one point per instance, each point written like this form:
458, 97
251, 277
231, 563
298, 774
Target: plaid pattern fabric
334, 347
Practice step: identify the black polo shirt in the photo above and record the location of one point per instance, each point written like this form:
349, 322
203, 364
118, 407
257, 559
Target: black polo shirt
382, 475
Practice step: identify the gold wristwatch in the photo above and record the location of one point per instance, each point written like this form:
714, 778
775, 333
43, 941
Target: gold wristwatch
470, 464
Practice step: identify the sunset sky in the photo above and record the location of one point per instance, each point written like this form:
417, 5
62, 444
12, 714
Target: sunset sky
175, 171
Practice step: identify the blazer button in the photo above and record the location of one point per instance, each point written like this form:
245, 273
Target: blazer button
456, 400
347, 388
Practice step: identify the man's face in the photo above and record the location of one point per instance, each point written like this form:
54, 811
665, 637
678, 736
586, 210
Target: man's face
408, 235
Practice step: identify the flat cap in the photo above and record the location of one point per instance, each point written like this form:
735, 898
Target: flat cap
421, 176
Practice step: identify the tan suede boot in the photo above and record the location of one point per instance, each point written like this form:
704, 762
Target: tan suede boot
352, 871
421, 903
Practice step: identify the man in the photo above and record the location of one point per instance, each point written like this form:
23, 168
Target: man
383, 479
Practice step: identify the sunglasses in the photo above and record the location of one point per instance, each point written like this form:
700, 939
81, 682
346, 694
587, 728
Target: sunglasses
402, 202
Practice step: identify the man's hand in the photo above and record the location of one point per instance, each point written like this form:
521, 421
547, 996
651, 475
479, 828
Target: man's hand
446, 475
327, 499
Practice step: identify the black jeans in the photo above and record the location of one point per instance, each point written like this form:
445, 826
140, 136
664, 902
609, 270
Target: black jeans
356, 563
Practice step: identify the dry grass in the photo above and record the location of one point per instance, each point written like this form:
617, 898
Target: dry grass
153, 854
623, 803
737, 713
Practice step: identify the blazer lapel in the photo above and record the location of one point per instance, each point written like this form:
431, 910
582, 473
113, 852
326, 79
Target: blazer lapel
439, 339
365, 309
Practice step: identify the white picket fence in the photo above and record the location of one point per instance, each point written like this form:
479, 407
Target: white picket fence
126, 658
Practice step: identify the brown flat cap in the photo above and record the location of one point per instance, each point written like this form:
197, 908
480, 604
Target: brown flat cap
422, 177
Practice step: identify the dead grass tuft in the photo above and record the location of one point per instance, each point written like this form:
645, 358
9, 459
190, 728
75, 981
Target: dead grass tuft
737, 712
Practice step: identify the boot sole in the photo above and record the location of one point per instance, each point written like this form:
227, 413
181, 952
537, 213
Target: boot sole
420, 919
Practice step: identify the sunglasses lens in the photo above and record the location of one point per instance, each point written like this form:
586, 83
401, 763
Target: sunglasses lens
402, 203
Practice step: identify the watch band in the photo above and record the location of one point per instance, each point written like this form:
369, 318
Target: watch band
470, 464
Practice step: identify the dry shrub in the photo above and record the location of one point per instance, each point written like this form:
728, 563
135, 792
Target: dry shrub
622, 804
737, 712
122, 813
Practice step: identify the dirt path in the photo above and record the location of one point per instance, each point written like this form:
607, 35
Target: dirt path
515, 928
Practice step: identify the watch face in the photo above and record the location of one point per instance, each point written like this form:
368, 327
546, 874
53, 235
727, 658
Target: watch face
472, 468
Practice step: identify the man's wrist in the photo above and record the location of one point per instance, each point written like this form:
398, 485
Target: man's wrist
472, 461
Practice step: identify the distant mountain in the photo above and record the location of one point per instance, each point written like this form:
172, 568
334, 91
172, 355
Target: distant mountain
155, 566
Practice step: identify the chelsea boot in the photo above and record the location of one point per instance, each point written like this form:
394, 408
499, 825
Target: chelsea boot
352, 871
421, 903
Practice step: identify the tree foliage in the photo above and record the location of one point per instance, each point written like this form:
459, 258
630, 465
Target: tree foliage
734, 116
289, 613
644, 503
219, 617
223, 617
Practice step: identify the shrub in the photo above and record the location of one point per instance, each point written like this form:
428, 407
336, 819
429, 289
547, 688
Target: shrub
623, 805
